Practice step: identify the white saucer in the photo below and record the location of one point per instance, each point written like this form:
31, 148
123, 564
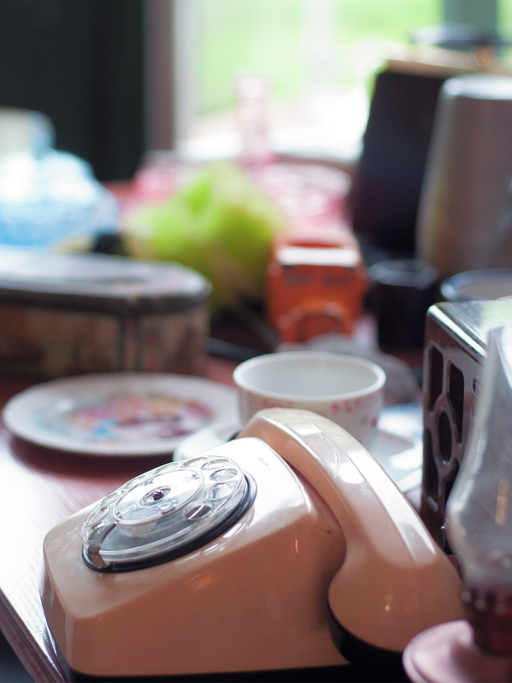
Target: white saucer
119, 414
209, 437
398, 444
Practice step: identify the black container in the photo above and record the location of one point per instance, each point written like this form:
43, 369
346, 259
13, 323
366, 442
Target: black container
401, 293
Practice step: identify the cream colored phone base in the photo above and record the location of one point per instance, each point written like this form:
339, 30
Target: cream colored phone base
233, 560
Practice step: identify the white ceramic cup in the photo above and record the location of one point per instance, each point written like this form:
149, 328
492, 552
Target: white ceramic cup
346, 389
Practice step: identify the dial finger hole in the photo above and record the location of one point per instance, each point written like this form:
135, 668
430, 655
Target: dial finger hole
137, 481
111, 498
198, 511
94, 531
166, 467
216, 463
218, 491
125, 512
224, 474
194, 462
96, 516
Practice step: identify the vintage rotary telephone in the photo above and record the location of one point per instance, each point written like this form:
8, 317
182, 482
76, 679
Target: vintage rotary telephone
280, 549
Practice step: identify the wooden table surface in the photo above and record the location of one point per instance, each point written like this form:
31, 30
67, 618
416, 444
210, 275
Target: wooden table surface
40, 488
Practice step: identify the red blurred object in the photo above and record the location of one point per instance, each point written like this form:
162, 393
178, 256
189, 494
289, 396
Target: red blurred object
316, 281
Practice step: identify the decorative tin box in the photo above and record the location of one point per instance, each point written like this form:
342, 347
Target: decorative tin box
66, 314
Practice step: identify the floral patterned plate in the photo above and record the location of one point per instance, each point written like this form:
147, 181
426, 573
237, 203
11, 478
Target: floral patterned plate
121, 414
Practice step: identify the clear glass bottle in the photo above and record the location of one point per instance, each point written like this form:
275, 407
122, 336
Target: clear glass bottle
479, 510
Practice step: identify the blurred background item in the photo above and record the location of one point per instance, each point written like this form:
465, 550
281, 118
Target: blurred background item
316, 282
493, 283
219, 222
67, 314
390, 173
402, 290
332, 133
48, 198
468, 176
23, 130
401, 382
484, 43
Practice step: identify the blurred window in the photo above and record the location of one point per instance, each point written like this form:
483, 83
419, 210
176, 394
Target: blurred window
317, 56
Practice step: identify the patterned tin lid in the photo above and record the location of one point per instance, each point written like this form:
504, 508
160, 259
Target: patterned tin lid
98, 282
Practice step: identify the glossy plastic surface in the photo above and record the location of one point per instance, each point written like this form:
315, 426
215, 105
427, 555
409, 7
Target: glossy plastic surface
328, 530
395, 581
254, 598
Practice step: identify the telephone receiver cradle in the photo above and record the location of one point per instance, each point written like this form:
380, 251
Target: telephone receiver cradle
324, 551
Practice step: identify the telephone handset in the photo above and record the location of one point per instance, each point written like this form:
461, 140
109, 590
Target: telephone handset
239, 558
394, 579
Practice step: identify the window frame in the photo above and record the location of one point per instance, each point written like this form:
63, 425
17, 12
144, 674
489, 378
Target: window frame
170, 38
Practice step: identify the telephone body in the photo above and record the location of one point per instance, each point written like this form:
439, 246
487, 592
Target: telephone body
324, 548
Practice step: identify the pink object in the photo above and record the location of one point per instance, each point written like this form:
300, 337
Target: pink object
309, 194
448, 653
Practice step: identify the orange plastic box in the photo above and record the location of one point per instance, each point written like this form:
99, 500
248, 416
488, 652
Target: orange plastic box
316, 282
